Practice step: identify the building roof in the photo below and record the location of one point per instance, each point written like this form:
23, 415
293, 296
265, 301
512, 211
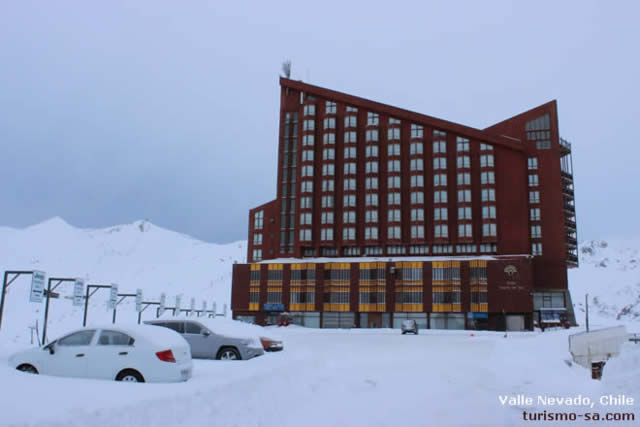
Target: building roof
403, 258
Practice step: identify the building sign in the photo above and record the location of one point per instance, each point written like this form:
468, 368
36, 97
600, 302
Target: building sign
274, 307
113, 297
37, 286
138, 300
163, 304
78, 292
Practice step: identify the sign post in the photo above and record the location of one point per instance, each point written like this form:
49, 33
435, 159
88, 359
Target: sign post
78, 293
138, 300
113, 297
193, 306
37, 287
178, 301
163, 304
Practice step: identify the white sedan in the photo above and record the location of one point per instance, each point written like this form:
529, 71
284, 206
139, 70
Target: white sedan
137, 353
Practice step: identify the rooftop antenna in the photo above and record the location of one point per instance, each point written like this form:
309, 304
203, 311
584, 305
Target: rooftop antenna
286, 68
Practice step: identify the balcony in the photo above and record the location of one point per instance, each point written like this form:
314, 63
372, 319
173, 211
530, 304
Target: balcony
565, 146
572, 241
569, 207
572, 260
570, 223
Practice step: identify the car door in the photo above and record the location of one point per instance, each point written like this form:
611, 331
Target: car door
200, 343
70, 355
112, 352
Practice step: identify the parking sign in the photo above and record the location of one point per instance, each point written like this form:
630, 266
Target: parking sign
78, 293
37, 286
138, 300
163, 303
113, 297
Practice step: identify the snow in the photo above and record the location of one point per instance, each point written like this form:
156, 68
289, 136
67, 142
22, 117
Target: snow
323, 377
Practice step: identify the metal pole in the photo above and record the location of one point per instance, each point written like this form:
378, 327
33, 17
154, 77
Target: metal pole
586, 301
46, 312
4, 287
86, 305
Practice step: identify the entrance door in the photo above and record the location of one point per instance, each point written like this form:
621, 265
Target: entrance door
515, 322
374, 320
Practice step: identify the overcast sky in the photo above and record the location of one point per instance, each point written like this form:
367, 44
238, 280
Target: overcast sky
116, 111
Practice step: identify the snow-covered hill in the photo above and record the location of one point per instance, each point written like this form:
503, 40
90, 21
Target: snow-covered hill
610, 274
138, 255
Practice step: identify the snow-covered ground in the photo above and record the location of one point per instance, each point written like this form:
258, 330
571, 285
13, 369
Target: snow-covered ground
323, 377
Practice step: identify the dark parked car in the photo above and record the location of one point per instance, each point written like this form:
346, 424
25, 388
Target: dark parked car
409, 326
207, 343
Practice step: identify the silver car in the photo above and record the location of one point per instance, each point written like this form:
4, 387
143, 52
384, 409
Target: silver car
206, 344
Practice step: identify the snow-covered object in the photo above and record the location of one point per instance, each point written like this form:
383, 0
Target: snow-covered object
156, 355
597, 346
623, 372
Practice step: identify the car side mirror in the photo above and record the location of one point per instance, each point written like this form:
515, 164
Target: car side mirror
206, 333
51, 348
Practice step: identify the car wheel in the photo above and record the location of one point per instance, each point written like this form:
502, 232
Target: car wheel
130, 376
29, 369
403, 332
229, 354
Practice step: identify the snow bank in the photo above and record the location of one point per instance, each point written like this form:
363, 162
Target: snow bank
623, 372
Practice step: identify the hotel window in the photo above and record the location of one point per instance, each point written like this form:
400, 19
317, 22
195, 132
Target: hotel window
328, 170
440, 180
305, 235
349, 200
439, 197
415, 148
393, 232
462, 144
464, 178
393, 182
464, 212
371, 135
349, 184
328, 154
488, 212
349, 152
486, 147
257, 239
417, 214
393, 166
349, 217
532, 163
464, 230
371, 199
349, 168
393, 198
257, 254
393, 134
330, 107
258, 220
308, 125
349, 233
327, 201
310, 110
491, 247
307, 140
536, 249
371, 167
536, 232
417, 181
441, 231
328, 185
350, 122
487, 178
307, 156
442, 249
371, 183
488, 195
329, 138
534, 197
440, 163
489, 229
486, 161
393, 215
393, 121
372, 119
326, 234
464, 196
393, 149
417, 231
371, 151
439, 134
305, 218
439, 147
416, 131
349, 137
464, 162
306, 203
416, 165
371, 233
371, 216
440, 214
417, 198
534, 214
351, 109
533, 180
